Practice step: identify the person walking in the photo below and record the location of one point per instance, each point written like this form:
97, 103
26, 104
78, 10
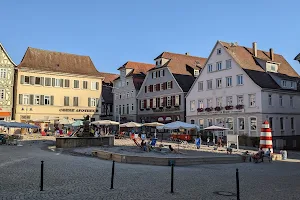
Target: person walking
207, 141
198, 142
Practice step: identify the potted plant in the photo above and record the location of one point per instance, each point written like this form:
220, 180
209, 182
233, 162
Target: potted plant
147, 108
228, 107
208, 109
200, 109
154, 108
218, 108
239, 107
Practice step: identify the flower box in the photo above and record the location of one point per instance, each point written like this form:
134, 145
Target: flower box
141, 109
208, 109
218, 108
239, 107
200, 109
153, 108
147, 108
228, 107
168, 106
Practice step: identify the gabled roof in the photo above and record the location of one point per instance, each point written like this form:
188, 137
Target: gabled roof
137, 67
178, 62
2, 47
108, 77
39, 59
297, 57
245, 58
184, 81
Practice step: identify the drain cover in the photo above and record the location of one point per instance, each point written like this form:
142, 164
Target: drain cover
225, 193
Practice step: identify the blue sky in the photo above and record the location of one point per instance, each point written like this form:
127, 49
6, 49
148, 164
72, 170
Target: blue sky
115, 31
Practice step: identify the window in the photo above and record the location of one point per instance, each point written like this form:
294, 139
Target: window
291, 101
229, 101
38, 81
127, 109
127, 95
2, 94
240, 100
270, 99
210, 67
209, 103
169, 101
162, 73
281, 119
162, 86
230, 124
117, 109
47, 100
280, 100
271, 122
142, 104
66, 101
169, 85
120, 110
252, 100
192, 105
127, 82
292, 123
219, 101
229, 81
67, 83
192, 121
219, 65
120, 96
94, 103
239, 79
26, 99
253, 123
57, 82
47, 81
283, 82
209, 122
37, 99
132, 94
273, 68
219, 51
154, 103
241, 124
200, 85
3, 73
219, 82
292, 84
161, 102
209, 84
200, 104
76, 84
177, 100
85, 85
154, 87
196, 72
26, 80
201, 124
153, 74
132, 107
228, 64
75, 101
148, 103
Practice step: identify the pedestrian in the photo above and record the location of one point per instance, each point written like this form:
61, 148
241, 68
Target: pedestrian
207, 141
198, 142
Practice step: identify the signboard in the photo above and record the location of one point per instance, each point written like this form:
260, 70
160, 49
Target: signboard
76, 110
221, 112
24, 117
166, 109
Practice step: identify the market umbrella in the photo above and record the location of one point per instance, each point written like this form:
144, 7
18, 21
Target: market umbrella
105, 122
153, 124
3, 123
131, 125
19, 125
65, 121
178, 125
215, 128
77, 123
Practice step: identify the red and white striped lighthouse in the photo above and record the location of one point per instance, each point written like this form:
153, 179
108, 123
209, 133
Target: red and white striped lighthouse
266, 137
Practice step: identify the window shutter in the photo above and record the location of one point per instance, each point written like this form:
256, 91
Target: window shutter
31, 99
179, 99
89, 102
145, 89
151, 103
171, 84
97, 102
97, 85
158, 87
157, 73
152, 74
42, 100
53, 82
52, 100
165, 101
173, 100
163, 72
145, 103
157, 102
151, 88
20, 99
140, 104
31, 80
61, 82
22, 79
74, 101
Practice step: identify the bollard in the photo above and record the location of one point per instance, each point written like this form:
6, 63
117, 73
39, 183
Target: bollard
237, 185
172, 178
42, 176
112, 176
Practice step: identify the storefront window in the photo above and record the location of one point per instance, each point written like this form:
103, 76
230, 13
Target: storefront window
241, 124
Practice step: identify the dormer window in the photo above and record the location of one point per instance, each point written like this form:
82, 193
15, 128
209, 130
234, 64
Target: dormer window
219, 51
292, 84
273, 68
196, 72
283, 83
158, 63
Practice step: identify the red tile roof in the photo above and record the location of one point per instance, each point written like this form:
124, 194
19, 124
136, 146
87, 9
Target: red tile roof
108, 77
137, 67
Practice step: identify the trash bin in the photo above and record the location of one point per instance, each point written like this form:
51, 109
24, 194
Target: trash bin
284, 154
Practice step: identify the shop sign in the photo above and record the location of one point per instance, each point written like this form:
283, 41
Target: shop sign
76, 110
221, 112
24, 117
166, 109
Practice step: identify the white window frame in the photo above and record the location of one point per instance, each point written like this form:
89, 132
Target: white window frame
219, 83
250, 125
228, 64
240, 99
292, 84
154, 103
93, 85
209, 83
196, 72
200, 86
93, 102
37, 98
239, 79
219, 51
227, 124
26, 83
26, 97
251, 104
161, 102
57, 82
2, 94
38, 77
162, 86
219, 101
209, 67
47, 78
210, 120
209, 103
192, 105
283, 82
154, 75
148, 103
200, 103
227, 81
3, 73
229, 101
219, 66
169, 101
74, 84
238, 123
47, 98
142, 104
169, 85
177, 100
127, 95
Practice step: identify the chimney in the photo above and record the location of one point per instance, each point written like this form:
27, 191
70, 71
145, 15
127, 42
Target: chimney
187, 53
272, 54
254, 46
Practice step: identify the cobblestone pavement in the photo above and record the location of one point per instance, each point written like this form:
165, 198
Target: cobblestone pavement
76, 177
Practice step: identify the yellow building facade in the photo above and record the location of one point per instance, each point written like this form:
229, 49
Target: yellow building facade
53, 85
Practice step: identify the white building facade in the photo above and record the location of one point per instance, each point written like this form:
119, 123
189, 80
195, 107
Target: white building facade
240, 87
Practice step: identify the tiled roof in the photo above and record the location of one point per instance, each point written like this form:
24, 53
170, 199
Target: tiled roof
108, 77
244, 57
137, 67
178, 62
39, 59
107, 94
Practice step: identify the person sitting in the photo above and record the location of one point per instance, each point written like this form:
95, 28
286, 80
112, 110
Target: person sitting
268, 154
258, 156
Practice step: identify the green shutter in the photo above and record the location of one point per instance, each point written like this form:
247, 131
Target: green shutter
31, 80
89, 102
42, 100
61, 82
97, 85
42, 81
97, 102
31, 98
53, 82
52, 100
22, 79
20, 99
